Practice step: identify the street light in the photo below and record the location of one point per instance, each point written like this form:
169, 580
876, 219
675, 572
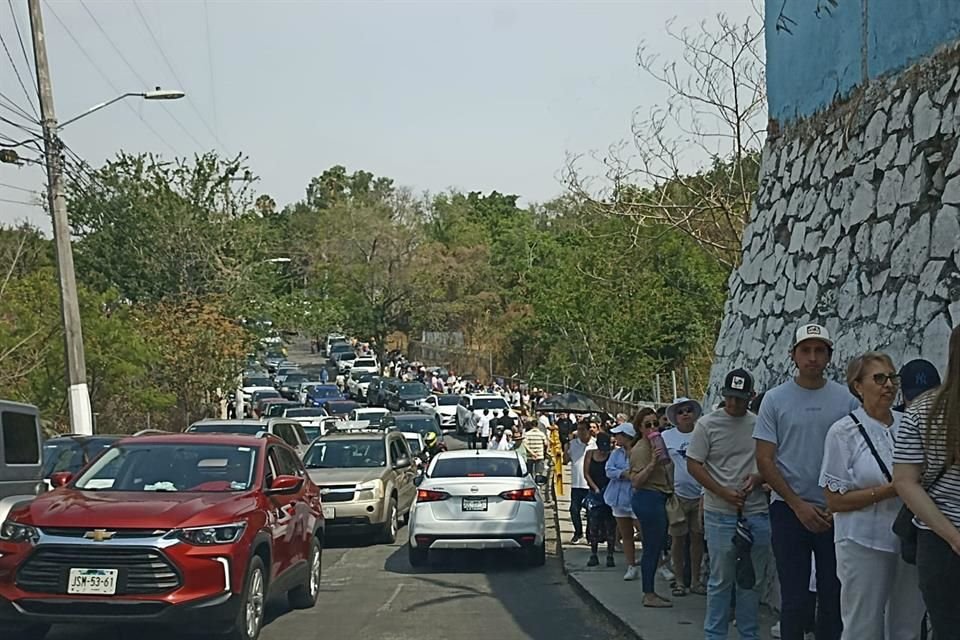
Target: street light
156, 94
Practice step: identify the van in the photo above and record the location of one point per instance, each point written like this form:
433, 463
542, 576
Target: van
21, 446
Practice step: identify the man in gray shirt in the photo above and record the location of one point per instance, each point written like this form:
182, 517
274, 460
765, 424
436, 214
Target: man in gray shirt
721, 457
791, 427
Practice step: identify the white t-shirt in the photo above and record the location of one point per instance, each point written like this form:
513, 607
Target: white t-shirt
577, 450
544, 422
683, 483
848, 465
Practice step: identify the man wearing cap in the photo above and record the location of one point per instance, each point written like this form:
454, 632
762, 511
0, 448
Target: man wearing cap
916, 378
721, 456
683, 414
790, 431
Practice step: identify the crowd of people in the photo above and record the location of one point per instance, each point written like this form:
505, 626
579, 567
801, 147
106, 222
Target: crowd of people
850, 501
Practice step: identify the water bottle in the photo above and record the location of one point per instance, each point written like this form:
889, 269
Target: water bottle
659, 448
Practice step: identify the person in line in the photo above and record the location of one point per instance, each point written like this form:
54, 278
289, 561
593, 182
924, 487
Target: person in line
683, 414
574, 453
721, 457
927, 478
879, 596
790, 432
651, 486
535, 441
619, 492
485, 429
916, 377
601, 525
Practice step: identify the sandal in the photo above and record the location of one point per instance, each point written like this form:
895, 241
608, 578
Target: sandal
699, 589
678, 591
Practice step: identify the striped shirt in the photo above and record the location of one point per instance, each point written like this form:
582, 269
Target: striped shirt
912, 448
535, 442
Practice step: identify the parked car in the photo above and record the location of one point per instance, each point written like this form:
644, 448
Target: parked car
442, 408
479, 499
407, 396
20, 454
190, 531
368, 364
366, 478
288, 430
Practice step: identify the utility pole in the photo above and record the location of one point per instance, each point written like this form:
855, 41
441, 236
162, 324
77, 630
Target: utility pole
81, 416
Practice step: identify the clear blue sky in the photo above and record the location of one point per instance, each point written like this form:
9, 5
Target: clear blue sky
473, 95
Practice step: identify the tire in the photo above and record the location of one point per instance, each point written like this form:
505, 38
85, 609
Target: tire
388, 533
249, 621
28, 631
537, 555
418, 557
305, 595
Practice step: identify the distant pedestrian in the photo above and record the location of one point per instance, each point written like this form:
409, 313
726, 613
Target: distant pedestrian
574, 454
535, 441
790, 433
619, 492
601, 525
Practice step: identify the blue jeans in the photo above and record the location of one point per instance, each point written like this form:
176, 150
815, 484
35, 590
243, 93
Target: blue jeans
650, 508
719, 529
792, 546
577, 496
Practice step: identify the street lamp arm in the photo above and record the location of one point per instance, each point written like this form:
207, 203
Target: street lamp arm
98, 107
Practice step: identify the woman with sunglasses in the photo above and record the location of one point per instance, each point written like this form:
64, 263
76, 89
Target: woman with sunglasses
880, 595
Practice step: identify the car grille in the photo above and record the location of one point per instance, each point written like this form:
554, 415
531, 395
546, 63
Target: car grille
118, 534
142, 570
338, 493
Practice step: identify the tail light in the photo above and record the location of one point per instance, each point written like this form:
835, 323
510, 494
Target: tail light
523, 495
428, 495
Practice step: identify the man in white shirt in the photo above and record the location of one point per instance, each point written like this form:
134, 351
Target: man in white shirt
573, 453
683, 414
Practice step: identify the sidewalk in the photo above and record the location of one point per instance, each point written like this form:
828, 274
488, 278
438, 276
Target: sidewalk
622, 600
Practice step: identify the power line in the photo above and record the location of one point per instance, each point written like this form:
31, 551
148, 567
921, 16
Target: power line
17, 124
16, 188
16, 109
107, 79
16, 71
23, 48
29, 204
163, 54
143, 82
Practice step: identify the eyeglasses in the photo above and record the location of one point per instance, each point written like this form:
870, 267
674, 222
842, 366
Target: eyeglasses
882, 378
649, 424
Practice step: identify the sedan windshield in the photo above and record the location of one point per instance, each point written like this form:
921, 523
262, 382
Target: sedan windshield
413, 390
345, 454
207, 468
489, 403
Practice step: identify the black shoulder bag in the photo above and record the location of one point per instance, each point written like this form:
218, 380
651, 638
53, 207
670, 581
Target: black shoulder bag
903, 525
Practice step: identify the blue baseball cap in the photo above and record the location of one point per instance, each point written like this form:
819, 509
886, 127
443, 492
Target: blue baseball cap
918, 376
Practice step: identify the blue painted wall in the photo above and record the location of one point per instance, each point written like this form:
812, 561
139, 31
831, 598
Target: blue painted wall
826, 55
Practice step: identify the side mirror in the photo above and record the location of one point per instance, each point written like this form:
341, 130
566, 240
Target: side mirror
401, 463
419, 479
285, 484
60, 478
539, 479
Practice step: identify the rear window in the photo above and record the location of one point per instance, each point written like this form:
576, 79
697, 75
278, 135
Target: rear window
242, 429
448, 401
477, 467
20, 442
489, 403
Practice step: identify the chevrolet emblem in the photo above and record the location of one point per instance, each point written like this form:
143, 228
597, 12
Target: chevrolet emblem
99, 535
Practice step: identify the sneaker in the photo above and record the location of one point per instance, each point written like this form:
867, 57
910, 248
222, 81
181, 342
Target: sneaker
610, 562
593, 561
775, 631
576, 539
633, 572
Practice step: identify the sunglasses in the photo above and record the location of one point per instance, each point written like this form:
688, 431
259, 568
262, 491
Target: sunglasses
650, 424
882, 378
684, 411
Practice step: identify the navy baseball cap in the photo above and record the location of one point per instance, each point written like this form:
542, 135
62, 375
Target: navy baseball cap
918, 376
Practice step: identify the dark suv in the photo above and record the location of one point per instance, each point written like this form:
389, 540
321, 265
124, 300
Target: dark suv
192, 530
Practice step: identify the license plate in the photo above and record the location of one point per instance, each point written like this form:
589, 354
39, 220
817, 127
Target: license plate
101, 582
329, 513
474, 504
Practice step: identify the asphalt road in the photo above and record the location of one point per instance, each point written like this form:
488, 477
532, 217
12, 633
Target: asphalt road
371, 592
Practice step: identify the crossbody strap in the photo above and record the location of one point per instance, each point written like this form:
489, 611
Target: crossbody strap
873, 449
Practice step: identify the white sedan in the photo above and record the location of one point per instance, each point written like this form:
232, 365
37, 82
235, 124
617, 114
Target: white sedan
477, 499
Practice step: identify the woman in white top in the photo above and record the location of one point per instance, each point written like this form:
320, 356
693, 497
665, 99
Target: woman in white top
880, 595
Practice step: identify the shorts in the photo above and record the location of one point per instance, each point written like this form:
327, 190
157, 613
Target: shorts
622, 513
694, 520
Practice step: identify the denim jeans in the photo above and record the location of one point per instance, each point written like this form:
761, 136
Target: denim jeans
792, 546
577, 496
650, 508
939, 569
719, 529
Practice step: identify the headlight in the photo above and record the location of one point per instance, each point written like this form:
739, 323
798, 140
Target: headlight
369, 490
16, 532
220, 534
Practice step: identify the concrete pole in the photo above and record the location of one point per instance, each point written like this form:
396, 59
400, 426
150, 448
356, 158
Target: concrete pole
81, 418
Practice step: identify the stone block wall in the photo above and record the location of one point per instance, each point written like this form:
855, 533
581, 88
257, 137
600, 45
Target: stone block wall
856, 226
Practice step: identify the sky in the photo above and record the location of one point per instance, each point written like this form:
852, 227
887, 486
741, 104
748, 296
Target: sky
477, 95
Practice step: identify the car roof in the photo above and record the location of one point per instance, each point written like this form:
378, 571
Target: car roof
357, 435
202, 438
481, 453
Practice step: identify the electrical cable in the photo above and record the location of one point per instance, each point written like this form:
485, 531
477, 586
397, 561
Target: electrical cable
163, 54
16, 71
107, 79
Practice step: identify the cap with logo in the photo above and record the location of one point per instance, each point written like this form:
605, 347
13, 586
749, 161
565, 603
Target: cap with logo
738, 384
625, 428
812, 332
918, 376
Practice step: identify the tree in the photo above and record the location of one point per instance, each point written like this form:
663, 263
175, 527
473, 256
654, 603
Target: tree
714, 120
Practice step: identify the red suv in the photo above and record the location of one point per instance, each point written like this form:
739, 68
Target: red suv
195, 530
